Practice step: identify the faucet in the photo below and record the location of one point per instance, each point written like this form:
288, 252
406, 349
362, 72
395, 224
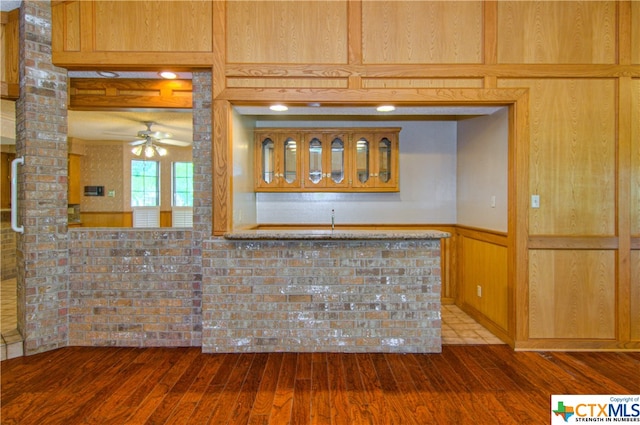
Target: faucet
333, 220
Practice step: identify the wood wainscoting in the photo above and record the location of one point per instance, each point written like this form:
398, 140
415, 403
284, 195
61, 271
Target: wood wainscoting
483, 280
117, 219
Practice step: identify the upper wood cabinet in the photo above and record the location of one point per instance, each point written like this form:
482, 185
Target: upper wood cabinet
9, 54
277, 160
375, 164
326, 156
327, 160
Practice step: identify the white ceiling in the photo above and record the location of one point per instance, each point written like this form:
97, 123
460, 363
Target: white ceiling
124, 126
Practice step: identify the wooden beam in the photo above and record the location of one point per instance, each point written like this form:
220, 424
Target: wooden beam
99, 93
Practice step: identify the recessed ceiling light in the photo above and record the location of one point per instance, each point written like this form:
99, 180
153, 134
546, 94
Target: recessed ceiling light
386, 108
278, 108
108, 74
168, 75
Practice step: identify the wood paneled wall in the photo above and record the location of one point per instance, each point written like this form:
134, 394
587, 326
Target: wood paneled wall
568, 70
133, 34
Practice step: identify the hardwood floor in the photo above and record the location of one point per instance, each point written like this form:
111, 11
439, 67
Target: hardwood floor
465, 384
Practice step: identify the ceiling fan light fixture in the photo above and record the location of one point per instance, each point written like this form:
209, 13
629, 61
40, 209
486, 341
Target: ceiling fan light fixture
149, 152
137, 150
161, 151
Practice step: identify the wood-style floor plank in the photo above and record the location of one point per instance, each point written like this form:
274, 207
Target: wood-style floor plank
464, 384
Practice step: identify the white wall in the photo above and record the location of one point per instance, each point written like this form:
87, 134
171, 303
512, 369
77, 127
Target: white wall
244, 197
427, 182
483, 171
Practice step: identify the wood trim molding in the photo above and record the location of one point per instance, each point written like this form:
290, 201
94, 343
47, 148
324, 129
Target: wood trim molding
98, 93
575, 345
259, 70
132, 61
222, 168
402, 97
573, 242
484, 235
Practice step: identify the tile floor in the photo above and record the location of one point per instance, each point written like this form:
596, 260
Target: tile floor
459, 328
11, 340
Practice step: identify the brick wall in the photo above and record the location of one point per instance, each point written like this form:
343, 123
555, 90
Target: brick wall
349, 296
134, 288
41, 131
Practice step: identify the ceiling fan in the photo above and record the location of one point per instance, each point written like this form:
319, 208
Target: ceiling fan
148, 141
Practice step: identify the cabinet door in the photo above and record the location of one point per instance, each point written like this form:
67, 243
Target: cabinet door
5, 175
362, 175
278, 164
325, 160
315, 163
386, 161
337, 159
74, 189
375, 163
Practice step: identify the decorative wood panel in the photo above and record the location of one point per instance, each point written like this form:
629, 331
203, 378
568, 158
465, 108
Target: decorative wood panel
572, 294
99, 93
288, 82
484, 263
557, 32
66, 19
572, 155
635, 158
150, 26
388, 83
287, 32
635, 295
635, 32
421, 32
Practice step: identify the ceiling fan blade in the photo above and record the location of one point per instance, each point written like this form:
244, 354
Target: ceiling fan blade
137, 142
173, 142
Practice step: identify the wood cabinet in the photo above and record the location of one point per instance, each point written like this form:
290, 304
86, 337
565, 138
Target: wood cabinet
9, 61
326, 155
75, 189
277, 160
327, 160
5, 175
375, 164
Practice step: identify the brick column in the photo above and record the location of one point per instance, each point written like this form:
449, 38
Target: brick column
202, 177
41, 137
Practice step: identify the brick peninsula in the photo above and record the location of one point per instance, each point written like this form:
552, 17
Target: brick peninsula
322, 290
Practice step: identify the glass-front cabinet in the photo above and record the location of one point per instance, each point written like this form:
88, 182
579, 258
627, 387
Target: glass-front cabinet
327, 160
279, 160
376, 160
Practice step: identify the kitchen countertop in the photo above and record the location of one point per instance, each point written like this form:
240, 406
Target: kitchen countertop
334, 234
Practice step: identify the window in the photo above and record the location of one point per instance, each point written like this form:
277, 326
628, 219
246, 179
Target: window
145, 183
182, 184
